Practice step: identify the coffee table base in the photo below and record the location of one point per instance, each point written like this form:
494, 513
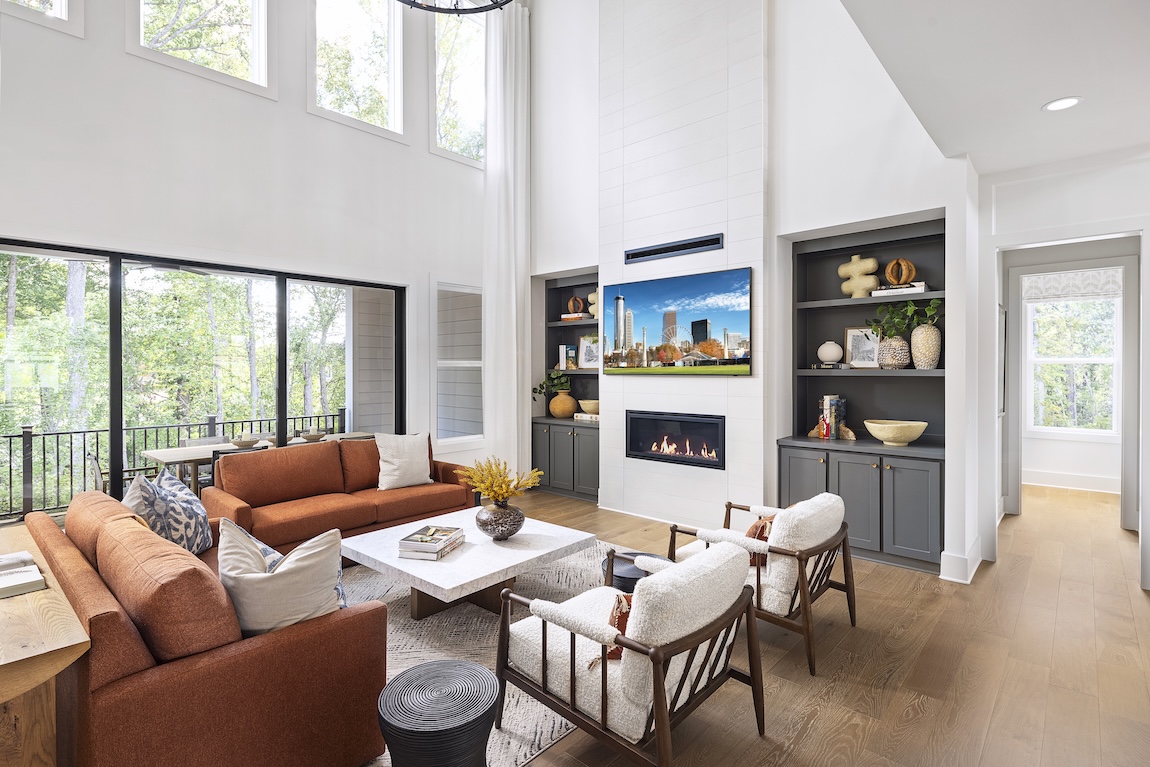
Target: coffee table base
423, 605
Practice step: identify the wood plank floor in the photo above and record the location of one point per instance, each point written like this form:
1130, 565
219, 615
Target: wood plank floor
1043, 660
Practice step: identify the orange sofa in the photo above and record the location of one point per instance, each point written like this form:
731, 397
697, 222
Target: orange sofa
170, 680
285, 496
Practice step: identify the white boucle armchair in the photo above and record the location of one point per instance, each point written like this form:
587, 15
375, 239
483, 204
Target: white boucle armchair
676, 650
804, 542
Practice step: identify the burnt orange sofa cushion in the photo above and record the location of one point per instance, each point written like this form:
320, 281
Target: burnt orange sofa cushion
291, 521
85, 520
265, 477
403, 502
176, 601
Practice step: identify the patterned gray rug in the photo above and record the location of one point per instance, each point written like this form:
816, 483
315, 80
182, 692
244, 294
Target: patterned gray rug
470, 632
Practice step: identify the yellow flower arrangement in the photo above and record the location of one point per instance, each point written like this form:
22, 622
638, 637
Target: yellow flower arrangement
494, 480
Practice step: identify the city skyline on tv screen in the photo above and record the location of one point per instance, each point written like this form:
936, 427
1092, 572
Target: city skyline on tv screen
698, 324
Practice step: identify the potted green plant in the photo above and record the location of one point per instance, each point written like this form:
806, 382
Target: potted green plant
925, 337
896, 319
556, 382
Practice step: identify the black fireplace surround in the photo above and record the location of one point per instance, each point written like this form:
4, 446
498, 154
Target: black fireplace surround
694, 440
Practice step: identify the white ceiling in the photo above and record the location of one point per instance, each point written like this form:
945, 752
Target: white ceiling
977, 72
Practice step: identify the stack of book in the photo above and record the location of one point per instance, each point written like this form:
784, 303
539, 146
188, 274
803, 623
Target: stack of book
588, 417
431, 542
897, 290
19, 574
572, 316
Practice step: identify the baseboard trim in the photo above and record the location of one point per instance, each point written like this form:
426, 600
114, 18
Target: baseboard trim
958, 568
1072, 481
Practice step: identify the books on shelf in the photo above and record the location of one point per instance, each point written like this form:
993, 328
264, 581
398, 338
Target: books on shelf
433, 555
897, 290
575, 316
830, 366
19, 575
588, 417
430, 538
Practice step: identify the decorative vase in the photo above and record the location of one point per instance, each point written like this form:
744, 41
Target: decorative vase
830, 352
893, 353
562, 405
926, 346
500, 520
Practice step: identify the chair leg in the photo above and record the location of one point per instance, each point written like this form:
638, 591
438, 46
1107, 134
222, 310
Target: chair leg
499, 703
849, 578
809, 639
755, 665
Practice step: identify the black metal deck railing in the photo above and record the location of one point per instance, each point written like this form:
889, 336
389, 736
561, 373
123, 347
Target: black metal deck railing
44, 470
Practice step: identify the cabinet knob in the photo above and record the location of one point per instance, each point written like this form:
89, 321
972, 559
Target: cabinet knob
545, 431
875, 466
822, 460
888, 467
572, 434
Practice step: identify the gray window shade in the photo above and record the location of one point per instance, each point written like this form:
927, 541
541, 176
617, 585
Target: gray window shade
1083, 285
459, 361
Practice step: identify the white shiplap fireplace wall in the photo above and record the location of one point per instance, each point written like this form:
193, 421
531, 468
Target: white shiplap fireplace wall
682, 153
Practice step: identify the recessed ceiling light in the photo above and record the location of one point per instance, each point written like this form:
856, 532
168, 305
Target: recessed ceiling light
1064, 103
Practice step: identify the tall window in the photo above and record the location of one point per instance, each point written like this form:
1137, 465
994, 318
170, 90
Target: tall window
225, 36
459, 361
460, 84
358, 61
1073, 349
64, 15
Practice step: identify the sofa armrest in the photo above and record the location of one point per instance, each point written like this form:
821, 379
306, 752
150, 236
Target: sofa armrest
445, 472
221, 504
304, 694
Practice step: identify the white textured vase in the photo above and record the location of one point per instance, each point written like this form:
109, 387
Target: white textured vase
926, 346
893, 353
830, 352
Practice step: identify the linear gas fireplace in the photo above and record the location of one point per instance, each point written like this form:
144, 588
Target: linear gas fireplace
695, 440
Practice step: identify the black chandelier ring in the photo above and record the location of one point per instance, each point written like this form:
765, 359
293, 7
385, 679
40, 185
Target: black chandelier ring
456, 6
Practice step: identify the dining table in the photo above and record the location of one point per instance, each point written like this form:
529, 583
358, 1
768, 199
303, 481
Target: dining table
188, 459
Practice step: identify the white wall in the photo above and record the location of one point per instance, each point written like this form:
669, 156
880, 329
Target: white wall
372, 359
564, 135
1082, 199
1079, 464
104, 149
847, 153
681, 154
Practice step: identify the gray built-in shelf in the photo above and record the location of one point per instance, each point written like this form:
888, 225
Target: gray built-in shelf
893, 494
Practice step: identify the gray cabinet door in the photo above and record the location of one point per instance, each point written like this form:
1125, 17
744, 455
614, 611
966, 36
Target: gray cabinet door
857, 479
541, 451
586, 460
802, 474
562, 457
912, 508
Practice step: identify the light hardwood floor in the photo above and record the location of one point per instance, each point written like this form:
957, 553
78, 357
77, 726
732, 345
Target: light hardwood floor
1042, 660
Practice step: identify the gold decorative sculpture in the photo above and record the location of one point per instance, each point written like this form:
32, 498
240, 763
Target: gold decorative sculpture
900, 272
859, 274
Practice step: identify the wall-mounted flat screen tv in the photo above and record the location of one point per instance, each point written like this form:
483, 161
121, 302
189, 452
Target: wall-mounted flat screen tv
698, 324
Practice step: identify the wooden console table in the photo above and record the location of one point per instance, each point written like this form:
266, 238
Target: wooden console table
40, 636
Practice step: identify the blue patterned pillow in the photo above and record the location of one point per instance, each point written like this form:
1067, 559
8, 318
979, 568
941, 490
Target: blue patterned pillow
171, 510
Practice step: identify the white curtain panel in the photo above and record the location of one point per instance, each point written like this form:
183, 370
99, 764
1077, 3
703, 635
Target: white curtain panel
507, 237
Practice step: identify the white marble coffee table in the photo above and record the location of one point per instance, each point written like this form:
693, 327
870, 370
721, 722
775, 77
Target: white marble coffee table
476, 572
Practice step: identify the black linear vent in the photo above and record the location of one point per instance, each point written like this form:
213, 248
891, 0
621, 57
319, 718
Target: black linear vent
694, 440
680, 248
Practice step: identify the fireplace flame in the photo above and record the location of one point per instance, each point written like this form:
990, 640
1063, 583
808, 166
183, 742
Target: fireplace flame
666, 447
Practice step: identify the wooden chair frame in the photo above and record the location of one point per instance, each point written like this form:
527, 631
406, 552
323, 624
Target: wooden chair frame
800, 617
664, 714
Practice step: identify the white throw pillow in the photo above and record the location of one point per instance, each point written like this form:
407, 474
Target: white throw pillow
270, 590
403, 460
172, 510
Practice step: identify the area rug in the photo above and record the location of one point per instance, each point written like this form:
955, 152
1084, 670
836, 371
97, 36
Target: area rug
469, 632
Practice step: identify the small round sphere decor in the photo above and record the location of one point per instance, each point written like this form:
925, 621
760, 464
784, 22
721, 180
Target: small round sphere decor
499, 520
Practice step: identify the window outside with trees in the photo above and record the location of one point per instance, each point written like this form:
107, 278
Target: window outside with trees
461, 84
199, 362
54, 8
226, 36
358, 60
1073, 359
459, 363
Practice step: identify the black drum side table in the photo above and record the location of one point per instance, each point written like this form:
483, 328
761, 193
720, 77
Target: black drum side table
439, 714
624, 573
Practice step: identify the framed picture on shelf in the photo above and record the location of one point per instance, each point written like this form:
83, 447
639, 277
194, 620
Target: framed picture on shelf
860, 348
589, 352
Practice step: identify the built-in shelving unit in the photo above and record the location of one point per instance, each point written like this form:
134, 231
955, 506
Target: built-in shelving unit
893, 494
